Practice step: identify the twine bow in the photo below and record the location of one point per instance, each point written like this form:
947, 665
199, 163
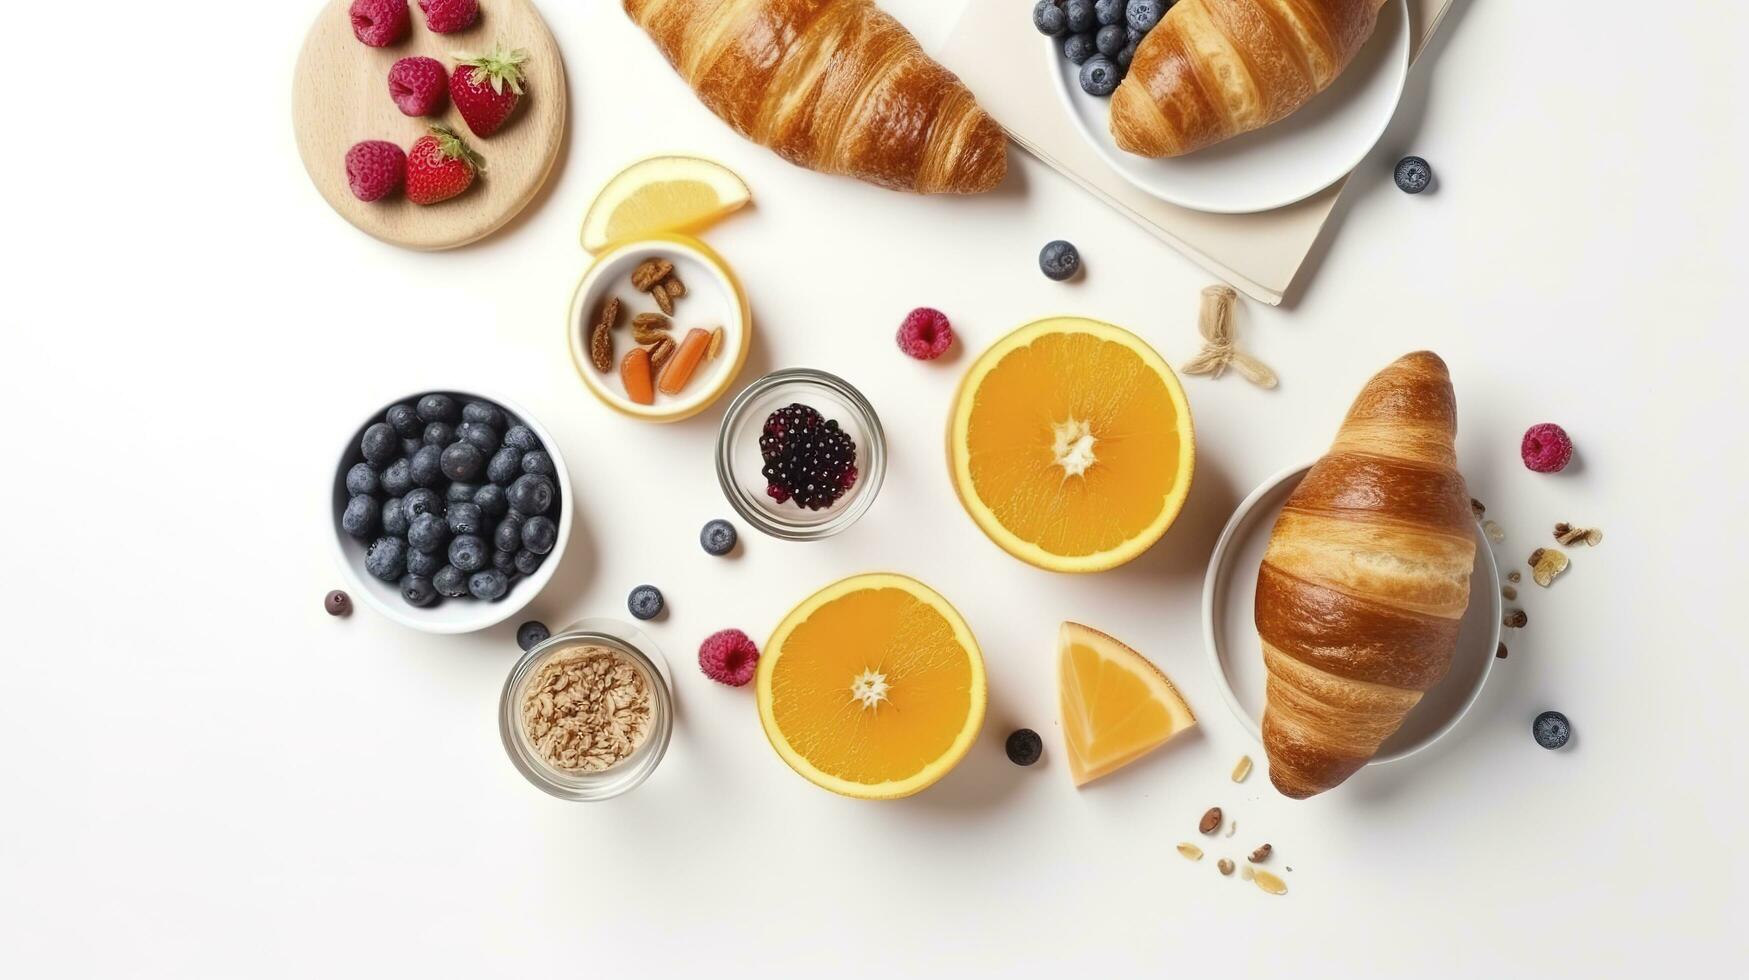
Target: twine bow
1221, 345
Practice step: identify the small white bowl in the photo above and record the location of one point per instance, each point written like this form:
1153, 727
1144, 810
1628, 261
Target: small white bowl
463, 615
1236, 655
713, 299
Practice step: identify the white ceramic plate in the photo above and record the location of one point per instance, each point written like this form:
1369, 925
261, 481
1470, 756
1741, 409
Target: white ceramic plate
1279, 164
463, 615
1230, 632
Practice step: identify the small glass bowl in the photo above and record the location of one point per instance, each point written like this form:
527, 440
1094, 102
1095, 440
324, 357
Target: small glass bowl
739, 463
625, 640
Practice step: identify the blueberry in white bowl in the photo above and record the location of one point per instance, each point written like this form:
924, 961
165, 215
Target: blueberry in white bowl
1099, 76
434, 535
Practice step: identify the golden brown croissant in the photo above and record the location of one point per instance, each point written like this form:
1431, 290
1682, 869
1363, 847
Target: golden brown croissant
1213, 69
1365, 579
832, 85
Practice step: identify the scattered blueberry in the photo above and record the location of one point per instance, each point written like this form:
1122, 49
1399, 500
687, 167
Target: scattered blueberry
467, 552
1108, 12
645, 602
1551, 729
404, 420
337, 603
1413, 175
1079, 47
1080, 15
423, 563
463, 461
532, 634
525, 562
361, 479
362, 518
395, 519
397, 477
450, 581
718, 537
418, 590
1059, 260
1099, 76
380, 444
491, 500
1144, 14
1110, 40
539, 463
505, 465
489, 584
428, 532
522, 437
539, 534
480, 434
421, 501
439, 434
1024, 747
386, 558
466, 519
531, 494
438, 408
1049, 18
507, 536
484, 412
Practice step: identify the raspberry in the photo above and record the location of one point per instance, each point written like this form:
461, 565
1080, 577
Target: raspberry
419, 86
925, 334
728, 657
380, 23
375, 169
449, 16
807, 457
1546, 448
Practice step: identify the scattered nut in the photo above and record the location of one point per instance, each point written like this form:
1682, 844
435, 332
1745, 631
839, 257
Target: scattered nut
1211, 821
1477, 509
660, 352
650, 272
715, 346
1190, 851
1270, 883
1495, 532
1241, 769
1567, 534
1225, 865
1500, 652
647, 328
1247, 872
1508, 592
674, 286
1545, 564
1260, 855
659, 293
1514, 576
1515, 619
601, 347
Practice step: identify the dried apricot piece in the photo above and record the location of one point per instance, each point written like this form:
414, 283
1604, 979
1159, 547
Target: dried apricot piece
634, 373
685, 361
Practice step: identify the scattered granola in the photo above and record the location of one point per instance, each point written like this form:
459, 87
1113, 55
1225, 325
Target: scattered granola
1508, 592
1269, 883
1211, 820
1260, 855
1514, 576
1495, 532
1225, 865
1545, 564
1477, 509
1190, 851
586, 709
1567, 534
1500, 652
1232, 827
1515, 619
1241, 769
1247, 872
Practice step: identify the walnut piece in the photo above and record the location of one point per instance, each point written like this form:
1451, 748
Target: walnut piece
1567, 534
649, 273
664, 302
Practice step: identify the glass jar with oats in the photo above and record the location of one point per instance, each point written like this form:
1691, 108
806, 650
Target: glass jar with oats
587, 714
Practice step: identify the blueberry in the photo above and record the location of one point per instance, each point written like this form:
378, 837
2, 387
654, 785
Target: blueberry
1079, 47
466, 519
480, 434
438, 408
522, 437
1413, 175
411, 447
504, 561
506, 465
450, 581
484, 412
404, 420
463, 461
397, 478
1110, 40
439, 434
538, 462
1060, 260
532, 634
395, 519
539, 534
525, 561
531, 494
1099, 76
467, 552
337, 603
423, 469
428, 532
645, 602
423, 563
1135, 36
1144, 14
1551, 729
1126, 55
1108, 12
380, 444
386, 558
362, 516
508, 534
1080, 15
418, 590
1024, 747
489, 584
361, 479
491, 500
421, 501
461, 493
1049, 18
717, 537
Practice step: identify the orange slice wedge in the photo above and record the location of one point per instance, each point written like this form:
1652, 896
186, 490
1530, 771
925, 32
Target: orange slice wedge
1117, 707
662, 194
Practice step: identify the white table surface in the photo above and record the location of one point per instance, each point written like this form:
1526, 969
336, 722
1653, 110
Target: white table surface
205, 775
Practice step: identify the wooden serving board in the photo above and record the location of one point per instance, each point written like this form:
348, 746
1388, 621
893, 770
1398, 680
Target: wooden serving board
341, 96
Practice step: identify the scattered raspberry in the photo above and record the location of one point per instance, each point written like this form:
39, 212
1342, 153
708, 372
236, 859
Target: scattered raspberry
375, 169
728, 657
449, 16
419, 86
380, 23
1546, 448
925, 334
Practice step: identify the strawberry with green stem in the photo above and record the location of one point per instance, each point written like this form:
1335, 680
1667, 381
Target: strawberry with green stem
487, 88
440, 166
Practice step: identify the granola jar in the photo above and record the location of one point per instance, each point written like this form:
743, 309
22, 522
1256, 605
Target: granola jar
740, 464
636, 664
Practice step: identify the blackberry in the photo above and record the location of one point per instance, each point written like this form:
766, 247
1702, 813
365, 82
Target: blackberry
808, 458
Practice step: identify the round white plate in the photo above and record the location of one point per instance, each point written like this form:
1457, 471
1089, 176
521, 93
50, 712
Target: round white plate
1279, 164
1229, 627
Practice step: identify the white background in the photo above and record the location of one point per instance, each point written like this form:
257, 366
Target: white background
205, 775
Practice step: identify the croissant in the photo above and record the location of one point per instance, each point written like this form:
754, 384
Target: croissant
832, 85
1365, 579
1213, 69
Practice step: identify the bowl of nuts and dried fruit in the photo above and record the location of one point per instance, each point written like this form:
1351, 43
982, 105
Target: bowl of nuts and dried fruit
658, 327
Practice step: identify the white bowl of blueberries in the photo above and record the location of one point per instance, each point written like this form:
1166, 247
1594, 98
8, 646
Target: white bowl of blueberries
451, 510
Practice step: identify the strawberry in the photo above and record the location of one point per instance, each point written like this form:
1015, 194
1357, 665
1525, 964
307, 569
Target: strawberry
440, 166
486, 89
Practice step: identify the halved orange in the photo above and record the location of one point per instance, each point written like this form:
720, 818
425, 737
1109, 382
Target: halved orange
1117, 707
873, 687
1071, 444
